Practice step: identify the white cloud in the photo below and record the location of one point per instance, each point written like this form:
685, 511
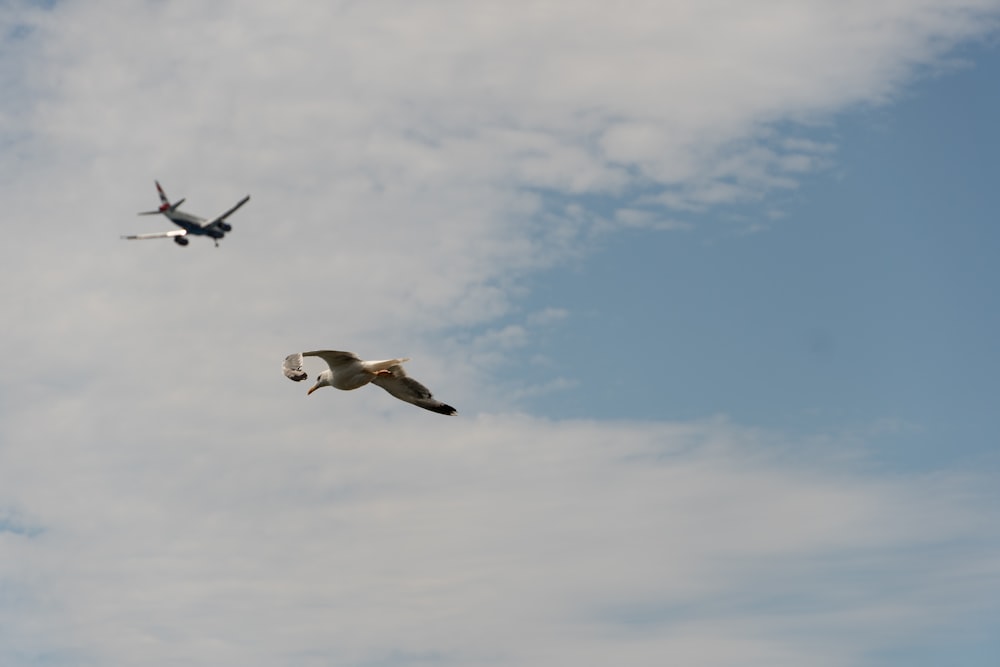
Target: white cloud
168, 497
492, 539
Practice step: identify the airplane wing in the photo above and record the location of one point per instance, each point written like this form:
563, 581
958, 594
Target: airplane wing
156, 235
209, 223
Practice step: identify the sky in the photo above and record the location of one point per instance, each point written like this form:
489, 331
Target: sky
711, 285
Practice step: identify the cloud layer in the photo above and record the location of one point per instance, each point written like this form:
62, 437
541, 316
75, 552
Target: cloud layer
168, 498
499, 540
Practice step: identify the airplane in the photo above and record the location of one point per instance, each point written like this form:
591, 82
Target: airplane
189, 224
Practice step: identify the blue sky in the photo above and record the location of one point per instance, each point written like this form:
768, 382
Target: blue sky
871, 298
711, 286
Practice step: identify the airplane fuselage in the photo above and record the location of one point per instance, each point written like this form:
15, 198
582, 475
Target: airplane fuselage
194, 224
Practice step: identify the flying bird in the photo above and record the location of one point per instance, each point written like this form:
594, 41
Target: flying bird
348, 372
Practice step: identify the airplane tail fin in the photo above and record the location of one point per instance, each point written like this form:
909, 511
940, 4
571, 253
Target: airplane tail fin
165, 205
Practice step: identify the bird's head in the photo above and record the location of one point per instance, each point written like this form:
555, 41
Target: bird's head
322, 380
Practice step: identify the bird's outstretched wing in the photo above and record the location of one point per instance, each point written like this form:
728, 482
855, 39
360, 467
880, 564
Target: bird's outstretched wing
333, 358
405, 388
292, 367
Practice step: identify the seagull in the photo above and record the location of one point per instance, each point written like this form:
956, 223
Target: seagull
348, 372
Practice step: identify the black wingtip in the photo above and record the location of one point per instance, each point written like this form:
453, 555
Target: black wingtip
442, 408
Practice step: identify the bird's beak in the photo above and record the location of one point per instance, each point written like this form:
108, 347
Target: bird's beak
312, 389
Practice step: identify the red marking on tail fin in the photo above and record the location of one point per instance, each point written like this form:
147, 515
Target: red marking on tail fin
163, 196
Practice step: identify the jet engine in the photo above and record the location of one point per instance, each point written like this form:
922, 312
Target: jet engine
225, 226
180, 240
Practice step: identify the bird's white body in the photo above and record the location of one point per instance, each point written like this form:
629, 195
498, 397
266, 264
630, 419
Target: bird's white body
353, 373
